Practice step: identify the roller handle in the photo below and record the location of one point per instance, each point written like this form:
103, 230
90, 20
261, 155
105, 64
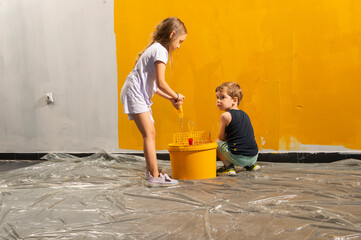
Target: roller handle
180, 112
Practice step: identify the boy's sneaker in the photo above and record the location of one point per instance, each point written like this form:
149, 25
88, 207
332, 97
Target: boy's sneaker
252, 168
162, 180
229, 171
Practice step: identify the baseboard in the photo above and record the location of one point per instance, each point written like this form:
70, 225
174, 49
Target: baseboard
291, 157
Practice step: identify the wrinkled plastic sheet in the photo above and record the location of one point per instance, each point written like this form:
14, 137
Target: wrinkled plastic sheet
104, 196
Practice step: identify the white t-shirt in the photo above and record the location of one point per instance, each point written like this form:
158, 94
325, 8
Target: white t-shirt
140, 85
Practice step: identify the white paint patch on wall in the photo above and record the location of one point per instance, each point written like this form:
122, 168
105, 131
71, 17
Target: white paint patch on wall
66, 48
297, 146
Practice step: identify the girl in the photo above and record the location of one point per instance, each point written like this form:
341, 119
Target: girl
147, 78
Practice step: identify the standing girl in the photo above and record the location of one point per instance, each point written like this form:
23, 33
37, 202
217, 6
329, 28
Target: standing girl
147, 78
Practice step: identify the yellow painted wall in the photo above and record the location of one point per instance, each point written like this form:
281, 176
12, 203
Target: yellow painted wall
298, 62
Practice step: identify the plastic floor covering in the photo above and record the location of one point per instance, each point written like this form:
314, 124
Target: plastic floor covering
104, 196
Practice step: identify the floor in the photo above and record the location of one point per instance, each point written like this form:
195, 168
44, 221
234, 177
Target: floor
6, 165
104, 196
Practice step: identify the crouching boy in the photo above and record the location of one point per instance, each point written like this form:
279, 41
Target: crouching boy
236, 142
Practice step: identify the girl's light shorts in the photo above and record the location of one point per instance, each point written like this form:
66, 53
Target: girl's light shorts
238, 160
133, 100
150, 115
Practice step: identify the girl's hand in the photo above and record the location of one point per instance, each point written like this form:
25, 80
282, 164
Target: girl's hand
177, 104
180, 97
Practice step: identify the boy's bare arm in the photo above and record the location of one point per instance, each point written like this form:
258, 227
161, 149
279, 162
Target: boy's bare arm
224, 121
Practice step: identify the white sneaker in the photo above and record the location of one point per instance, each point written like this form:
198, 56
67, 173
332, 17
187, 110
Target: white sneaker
147, 175
162, 180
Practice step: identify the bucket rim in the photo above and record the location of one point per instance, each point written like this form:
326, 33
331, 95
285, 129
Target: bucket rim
206, 146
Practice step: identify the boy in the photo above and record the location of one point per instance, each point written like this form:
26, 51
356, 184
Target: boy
236, 141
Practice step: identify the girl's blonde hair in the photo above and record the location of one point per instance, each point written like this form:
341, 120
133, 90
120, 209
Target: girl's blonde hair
233, 90
163, 31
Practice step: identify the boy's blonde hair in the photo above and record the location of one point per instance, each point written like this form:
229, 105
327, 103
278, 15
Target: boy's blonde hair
164, 29
233, 90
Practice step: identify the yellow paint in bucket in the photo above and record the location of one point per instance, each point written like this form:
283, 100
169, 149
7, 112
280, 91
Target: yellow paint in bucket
193, 162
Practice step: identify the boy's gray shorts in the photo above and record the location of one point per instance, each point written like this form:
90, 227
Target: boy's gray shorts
238, 160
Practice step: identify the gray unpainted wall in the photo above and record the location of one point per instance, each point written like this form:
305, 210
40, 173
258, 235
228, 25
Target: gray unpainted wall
68, 48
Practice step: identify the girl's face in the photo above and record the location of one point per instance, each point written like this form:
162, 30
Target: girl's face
175, 44
224, 101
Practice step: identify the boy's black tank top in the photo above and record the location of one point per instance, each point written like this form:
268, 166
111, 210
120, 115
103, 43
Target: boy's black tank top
240, 134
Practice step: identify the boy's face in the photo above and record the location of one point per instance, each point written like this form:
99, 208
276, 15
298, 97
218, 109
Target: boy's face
224, 101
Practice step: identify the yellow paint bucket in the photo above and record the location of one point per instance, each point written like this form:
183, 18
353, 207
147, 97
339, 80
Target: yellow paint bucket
193, 162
